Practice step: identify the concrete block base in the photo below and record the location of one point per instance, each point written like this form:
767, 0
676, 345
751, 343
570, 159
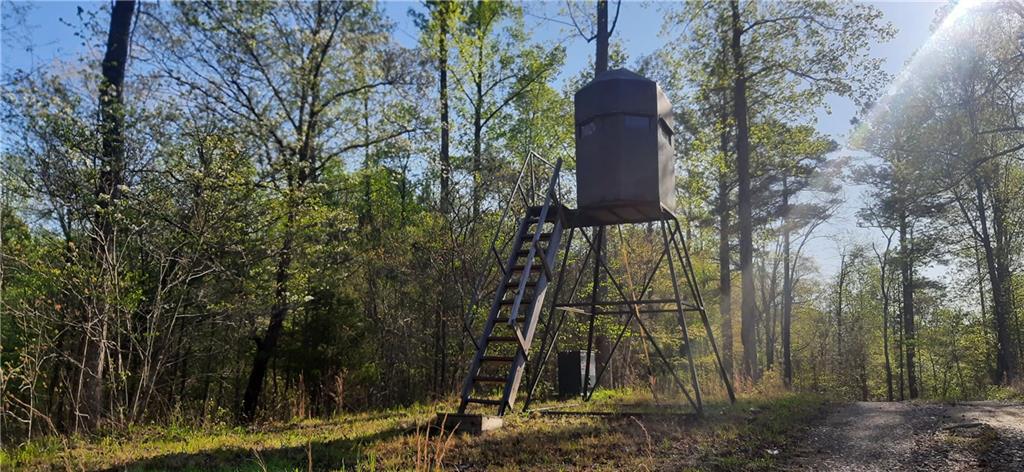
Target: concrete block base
470, 424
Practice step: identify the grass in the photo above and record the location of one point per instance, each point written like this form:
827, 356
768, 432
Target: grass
1006, 393
744, 436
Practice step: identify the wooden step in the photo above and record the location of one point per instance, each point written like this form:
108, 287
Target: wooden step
489, 379
502, 339
535, 268
539, 253
525, 303
515, 284
483, 401
497, 359
543, 237
504, 319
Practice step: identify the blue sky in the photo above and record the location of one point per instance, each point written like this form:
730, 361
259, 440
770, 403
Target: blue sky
639, 29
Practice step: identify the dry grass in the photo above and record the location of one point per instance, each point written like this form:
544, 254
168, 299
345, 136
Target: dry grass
727, 438
430, 451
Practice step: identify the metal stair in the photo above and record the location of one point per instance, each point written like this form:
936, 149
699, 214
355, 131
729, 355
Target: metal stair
504, 345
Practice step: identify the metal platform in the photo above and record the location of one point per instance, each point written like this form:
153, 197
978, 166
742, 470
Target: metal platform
620, 213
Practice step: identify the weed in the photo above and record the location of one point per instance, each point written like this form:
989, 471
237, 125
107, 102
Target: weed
650, 445
262, 464
430, 452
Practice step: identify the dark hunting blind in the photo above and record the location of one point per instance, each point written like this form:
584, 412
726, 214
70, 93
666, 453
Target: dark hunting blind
625, 169
624, 174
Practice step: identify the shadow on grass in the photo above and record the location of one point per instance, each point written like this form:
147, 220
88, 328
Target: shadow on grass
326, 455
570, 443
724, 439
535, 443
337, 421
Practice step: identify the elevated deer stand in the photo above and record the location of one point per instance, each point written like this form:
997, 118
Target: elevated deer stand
624, 175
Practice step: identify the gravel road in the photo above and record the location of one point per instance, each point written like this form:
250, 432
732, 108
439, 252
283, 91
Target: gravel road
867, 436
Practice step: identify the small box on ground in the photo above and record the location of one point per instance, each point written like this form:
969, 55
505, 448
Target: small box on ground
572, 373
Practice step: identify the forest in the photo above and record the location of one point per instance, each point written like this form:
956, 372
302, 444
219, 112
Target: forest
228, 214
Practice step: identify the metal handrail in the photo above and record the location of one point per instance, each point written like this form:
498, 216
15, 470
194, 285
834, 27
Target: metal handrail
532, 161
518, 188
541, 219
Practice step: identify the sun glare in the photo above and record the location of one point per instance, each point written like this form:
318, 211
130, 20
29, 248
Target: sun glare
923, 58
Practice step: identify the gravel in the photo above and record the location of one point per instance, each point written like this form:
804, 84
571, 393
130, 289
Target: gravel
868, 437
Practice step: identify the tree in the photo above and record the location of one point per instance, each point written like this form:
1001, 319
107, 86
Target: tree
940, 155
108, 192
903, 201
884, 257
797, 186
821, 62
802, 170
492, 71
819, 57
712, 135
437, 25
976, 71
286, 76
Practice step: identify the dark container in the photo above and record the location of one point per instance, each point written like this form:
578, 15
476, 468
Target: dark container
625, 163
572, 367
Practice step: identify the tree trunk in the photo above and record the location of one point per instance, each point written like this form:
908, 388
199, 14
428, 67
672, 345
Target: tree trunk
899, 352
725, 266
442, 67
883, 263
885, 349
601, 57
1005, 352
787, 291
863, 377
748, 316
600, 66
477, 150
108, 191
444, 12
839, 313
478, 110
265, 347
906, 276
1003, 269
981, 300
769, 336
112, 112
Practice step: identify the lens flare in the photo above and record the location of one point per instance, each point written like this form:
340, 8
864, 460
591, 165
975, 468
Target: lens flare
947, 30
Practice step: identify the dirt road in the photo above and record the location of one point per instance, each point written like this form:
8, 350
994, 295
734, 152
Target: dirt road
916, 437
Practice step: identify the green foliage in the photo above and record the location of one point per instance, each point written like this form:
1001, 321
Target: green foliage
282, 160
